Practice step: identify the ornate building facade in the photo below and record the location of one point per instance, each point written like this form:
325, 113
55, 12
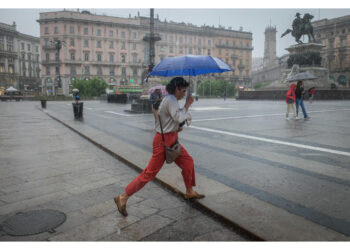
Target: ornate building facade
334, 34
113, 48
19, 59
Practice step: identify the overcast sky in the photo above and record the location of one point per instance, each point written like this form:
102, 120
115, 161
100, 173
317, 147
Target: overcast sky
252, 20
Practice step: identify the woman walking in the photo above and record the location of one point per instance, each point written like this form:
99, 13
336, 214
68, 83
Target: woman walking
171, 116
290, 100
299, 94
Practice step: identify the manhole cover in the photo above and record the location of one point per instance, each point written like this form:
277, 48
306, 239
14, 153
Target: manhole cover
33, 222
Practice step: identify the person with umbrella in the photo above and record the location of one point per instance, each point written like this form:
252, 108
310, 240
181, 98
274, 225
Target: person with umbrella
299, 94
170, 117
290, 100
156, 98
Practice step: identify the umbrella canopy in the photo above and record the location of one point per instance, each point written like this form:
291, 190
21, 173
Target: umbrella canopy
11, 89
161, 87
302, 76
189, 65
75, 90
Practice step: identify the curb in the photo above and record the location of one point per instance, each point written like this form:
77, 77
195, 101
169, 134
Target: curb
242, 230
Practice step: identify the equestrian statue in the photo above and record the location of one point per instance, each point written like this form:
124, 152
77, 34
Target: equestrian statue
301, 26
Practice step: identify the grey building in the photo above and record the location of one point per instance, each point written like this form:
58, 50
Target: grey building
19, 60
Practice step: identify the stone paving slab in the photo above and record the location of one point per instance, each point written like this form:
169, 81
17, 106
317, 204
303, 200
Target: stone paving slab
54, 168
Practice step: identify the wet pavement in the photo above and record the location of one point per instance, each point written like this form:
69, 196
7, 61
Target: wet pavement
45, 165
272, 177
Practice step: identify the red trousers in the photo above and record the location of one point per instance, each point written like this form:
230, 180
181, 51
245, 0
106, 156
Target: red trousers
184, 161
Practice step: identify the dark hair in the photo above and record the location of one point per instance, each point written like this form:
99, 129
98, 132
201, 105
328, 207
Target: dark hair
299, 84
176, 82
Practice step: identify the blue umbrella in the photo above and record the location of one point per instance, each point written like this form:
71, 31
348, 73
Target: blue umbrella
189, 65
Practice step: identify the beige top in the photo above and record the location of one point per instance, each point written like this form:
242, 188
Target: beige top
171, 114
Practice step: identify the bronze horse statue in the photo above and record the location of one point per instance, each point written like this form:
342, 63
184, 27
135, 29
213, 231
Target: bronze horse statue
302, 26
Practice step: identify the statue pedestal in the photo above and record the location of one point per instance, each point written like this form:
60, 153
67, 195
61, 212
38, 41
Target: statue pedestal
307, 57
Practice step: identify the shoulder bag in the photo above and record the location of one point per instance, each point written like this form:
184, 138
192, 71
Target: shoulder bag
171, 153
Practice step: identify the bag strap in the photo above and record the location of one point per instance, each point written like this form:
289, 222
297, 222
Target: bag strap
160, 123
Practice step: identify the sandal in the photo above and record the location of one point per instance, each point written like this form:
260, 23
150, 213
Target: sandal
194, 196
121, 208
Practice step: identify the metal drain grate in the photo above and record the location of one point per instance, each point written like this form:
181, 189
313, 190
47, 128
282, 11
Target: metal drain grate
33, 222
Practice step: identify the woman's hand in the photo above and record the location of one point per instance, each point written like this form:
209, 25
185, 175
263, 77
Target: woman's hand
189, 101
180, 129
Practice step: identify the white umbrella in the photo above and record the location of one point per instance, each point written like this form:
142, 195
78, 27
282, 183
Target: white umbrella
75, 90
11, 89
302, 76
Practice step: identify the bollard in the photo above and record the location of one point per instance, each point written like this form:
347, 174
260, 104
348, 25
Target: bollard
43, 104
78, 110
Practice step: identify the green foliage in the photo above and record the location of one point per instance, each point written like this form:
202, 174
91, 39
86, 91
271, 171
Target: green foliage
90, 88
165, 82
214, 88
260, 85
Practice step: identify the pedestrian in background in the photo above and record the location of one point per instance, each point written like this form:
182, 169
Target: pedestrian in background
311, 92
156, 98
170, 116
290, 100
299, 94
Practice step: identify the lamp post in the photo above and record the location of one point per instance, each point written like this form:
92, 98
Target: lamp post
58, 45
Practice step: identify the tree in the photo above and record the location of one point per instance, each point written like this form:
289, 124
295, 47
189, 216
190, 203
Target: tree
90, 88
215, 88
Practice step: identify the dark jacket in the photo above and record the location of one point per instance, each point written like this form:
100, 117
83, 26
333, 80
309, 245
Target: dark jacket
299, 93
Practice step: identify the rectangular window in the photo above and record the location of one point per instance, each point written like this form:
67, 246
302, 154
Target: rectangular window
72, 56
47, 57
111, 71
28, 46
220, 42
123, 71
87, 70
86, 56
111, 45
171, 49
209, 42
134, 58
111, 33
99, 44
73, 71
46, 30
71, 29
123, 34
47, 70
134, 46
71, 42
98, 32
36, 48
180, 40
57, 70
111, 57
46, 42
226, 42
123, 45
56, 30
22, 45
99, 57
190, 51
134, 71
86, 30
190, 40
134, 35
199, 41
99, 71
86, 43
171, 38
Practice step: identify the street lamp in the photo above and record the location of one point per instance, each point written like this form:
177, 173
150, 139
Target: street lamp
58, 45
